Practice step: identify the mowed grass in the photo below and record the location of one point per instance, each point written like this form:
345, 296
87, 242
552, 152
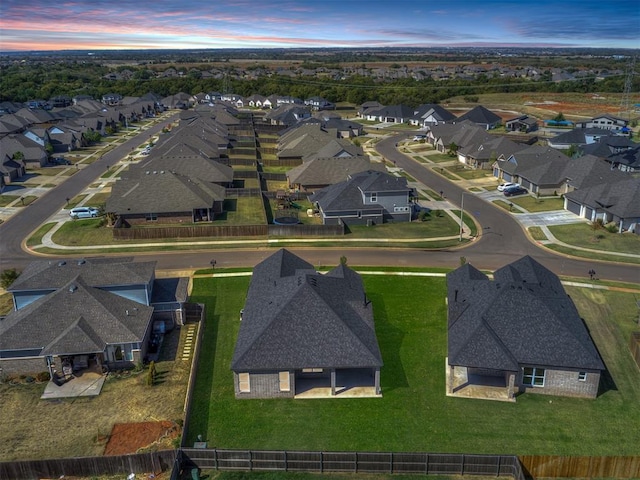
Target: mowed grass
582, 235
414, 414
542, 204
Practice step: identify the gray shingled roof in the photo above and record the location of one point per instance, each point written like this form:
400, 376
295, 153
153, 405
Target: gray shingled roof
621, 198
480, 115
96, 272
327, 171
348, 195
189, 164
296, 318
160, 191
74, 319
522, 317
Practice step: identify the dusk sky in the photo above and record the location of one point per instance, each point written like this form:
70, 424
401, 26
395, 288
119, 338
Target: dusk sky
143, 24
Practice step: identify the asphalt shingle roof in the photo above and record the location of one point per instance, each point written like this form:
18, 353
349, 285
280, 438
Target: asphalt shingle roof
76, 318
522, 317
297, 318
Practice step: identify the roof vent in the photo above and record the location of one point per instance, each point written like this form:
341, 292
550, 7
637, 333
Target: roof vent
82, 261
62, 263
72, 288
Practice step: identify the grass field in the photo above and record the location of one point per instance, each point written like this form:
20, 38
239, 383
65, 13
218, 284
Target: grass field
543, 204
414, 413
582, 235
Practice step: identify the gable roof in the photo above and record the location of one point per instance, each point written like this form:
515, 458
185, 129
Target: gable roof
480, 115
349, 194
620, 198
522, 317
297, 318
327, 171
76, 318
96, 272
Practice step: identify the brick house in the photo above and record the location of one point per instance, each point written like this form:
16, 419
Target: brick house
520, 332
301, 328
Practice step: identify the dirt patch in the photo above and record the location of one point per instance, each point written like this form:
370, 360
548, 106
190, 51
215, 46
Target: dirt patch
131, 437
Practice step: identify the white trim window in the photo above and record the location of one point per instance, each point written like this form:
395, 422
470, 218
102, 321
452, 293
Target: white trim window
582, 376
533, 377
284, 379
244, 384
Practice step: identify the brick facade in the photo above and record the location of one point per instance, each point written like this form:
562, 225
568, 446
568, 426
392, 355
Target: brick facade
23, 366
265, 385
565, 383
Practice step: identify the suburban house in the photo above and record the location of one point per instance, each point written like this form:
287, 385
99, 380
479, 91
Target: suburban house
288, 114
29, 151
320, 172
541, 170
481, 116
161, 196
11, 169
605, 122
522, 123
627, 160
301, 141
83, 313
301, 330
517, 333
431, 114
319, 103
390, 114
615, 200
365, 198
578, 137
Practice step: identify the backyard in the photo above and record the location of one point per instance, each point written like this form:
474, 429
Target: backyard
414, 414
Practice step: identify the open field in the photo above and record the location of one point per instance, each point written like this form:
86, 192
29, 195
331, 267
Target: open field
414, 413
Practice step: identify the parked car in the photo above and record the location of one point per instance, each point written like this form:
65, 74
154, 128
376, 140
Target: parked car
513, 191
418, 138
60, 161
84, 212
503, 186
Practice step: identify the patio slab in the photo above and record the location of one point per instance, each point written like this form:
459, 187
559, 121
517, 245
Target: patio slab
483, 388
87, 384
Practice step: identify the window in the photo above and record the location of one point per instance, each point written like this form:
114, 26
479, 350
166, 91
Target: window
151, 217
243, 383
283, 377
373, 196
312, 370
533, 377
582, 376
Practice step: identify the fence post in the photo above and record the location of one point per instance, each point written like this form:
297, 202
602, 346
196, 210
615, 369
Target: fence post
499, 465
391, 462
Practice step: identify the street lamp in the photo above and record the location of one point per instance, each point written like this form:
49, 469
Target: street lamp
461, 214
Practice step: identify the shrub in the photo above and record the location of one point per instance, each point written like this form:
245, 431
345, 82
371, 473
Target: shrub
611, 228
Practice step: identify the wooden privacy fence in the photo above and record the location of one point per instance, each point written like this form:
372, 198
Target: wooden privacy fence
195, 231
153, 462
306, 230
581, 467
364, 462
634, 345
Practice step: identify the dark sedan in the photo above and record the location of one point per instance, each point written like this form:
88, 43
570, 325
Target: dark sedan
513, 191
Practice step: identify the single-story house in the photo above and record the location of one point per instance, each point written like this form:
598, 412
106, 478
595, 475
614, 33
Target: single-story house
481, 116
78, 311
365, 198
300, 329
606, 122
522, 123
162, 196
320, 172
431, 114
519, 332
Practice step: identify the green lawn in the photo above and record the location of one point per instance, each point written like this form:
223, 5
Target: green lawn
443, 226
469, 173
537, 233
414, 414
542, 204
441, 158
582, 235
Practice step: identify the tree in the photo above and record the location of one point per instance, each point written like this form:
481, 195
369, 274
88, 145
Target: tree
7, 277
453, 149
343, 260
18, 155
559, 117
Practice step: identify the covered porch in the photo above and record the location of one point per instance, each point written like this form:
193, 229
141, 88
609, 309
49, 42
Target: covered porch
82, 376
348, 383
469, 383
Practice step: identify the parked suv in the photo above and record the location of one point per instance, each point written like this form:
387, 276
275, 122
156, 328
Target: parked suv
513, 191
84, 212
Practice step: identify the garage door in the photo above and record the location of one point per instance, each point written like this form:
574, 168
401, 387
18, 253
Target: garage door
573, 207
525, 183
507, 177
588, 213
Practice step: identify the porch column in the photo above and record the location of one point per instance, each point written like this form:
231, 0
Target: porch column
512, 381
451, 377
333, 382
377, 381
